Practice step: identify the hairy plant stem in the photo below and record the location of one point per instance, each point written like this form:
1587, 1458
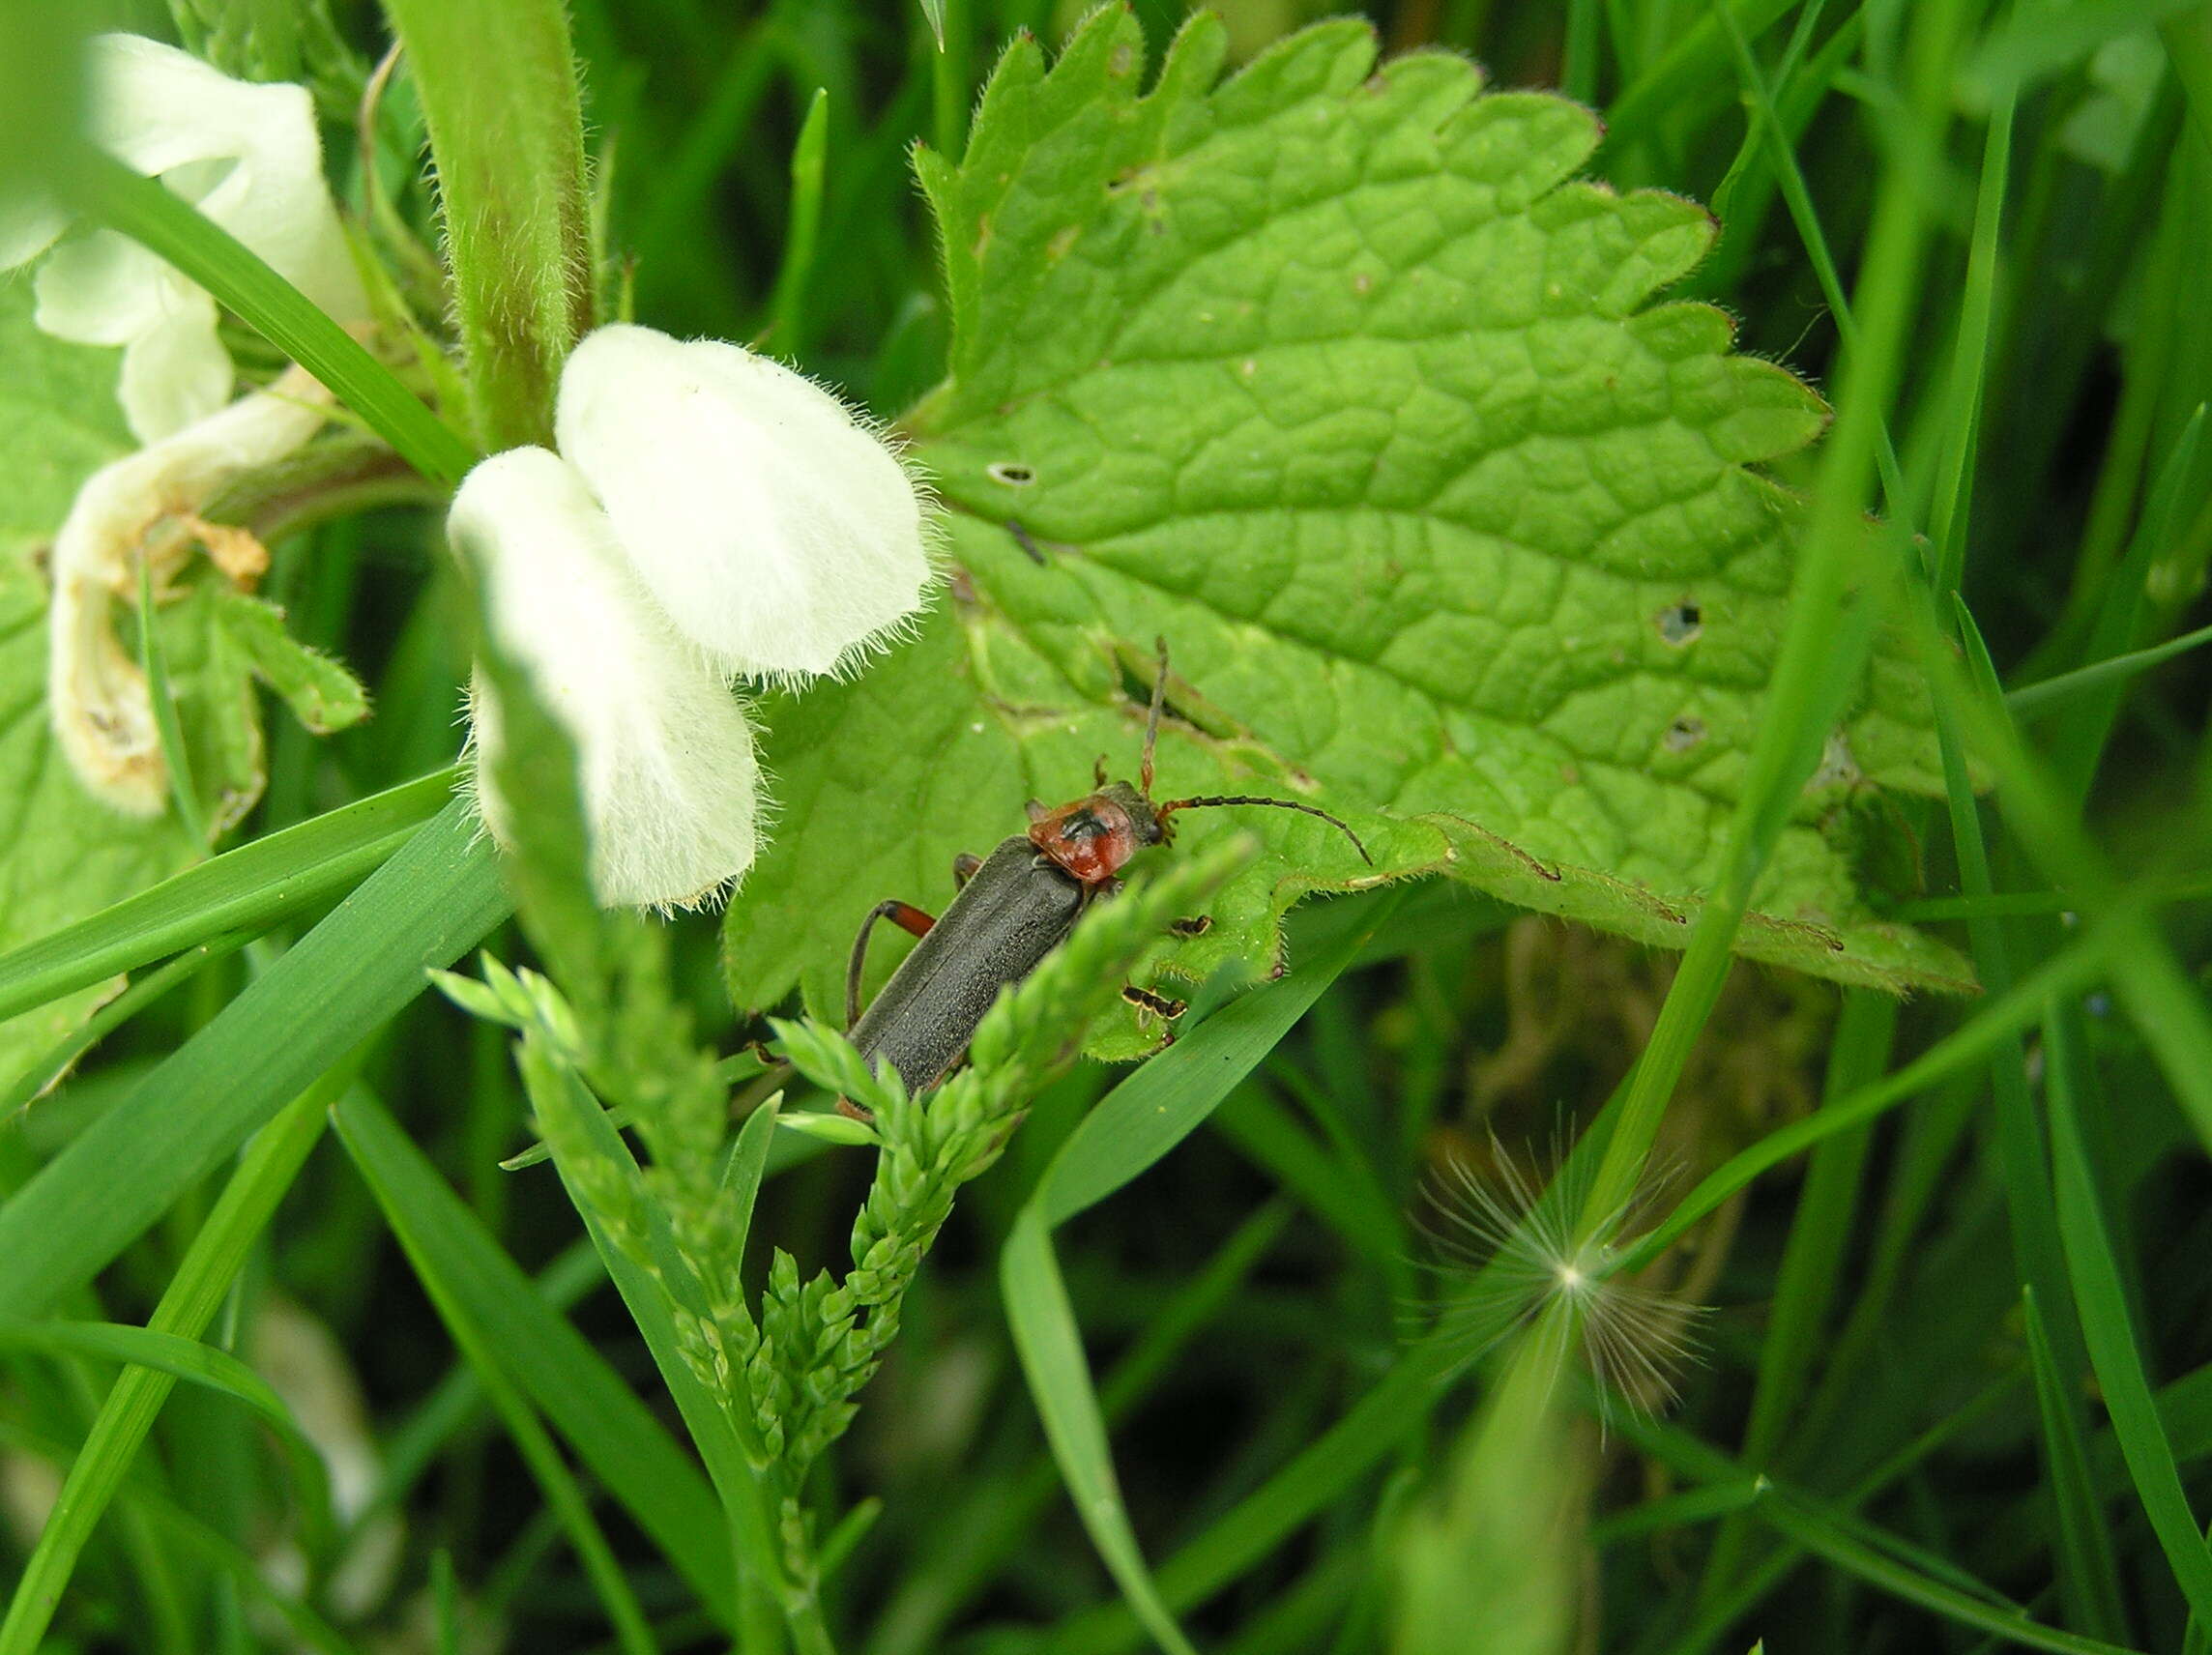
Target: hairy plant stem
498, 85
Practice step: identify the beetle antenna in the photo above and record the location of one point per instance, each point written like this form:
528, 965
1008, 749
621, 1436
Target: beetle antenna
1163, 812
1152, 721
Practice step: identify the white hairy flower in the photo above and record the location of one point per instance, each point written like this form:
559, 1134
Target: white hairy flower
710, 515
664, 755
780, 534
248, 157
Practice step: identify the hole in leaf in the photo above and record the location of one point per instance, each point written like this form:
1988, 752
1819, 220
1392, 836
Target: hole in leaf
1010, 472
1683, 734
1679, 623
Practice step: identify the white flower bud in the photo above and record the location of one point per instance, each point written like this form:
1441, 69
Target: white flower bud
779, 534
248, 157
664, 755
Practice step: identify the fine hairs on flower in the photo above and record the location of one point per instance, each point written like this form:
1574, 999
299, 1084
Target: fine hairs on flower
779, 534
711, 516
664, 752
1507, 1248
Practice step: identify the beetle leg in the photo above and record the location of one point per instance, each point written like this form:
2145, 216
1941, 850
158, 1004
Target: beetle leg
1158, 1004
964, 868
1197, 927
906, 918
1099, 771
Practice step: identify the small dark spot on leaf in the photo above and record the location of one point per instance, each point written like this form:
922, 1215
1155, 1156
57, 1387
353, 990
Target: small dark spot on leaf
1679, 623
1011, 473
1683, 734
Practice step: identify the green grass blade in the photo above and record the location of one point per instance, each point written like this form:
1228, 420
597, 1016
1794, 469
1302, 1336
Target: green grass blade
2115, 1351
194, 1293
562, 1376
788, 311
435, 899
1352, 1206
1670, 1511
1139, 1122
191, 1536
166, 224
455, 1403
1378, 1425
2039, 1266
400, 1188
1852, 1555
655, 1291
2077, 745
2051, 692
1812, 1263
748, 1166
1168, 1099
1797, 198
1375, 1426
995, 1519
1999, 1021
1694, 61
180, 1357
2161, 1001
1050, 1346
248, 889
1881, 1558
175, 1354
62, 1057
2085, 1560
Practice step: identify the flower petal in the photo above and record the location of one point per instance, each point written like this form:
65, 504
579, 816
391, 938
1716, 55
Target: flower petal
155, 107
174, 374
248, 155
105, 289
129, 510
780, 534
29, 224
664, 754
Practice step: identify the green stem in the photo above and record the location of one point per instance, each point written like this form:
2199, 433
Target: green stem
498, 85
1813, 664
787, 310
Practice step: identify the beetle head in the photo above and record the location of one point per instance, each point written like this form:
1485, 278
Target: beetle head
1096, 836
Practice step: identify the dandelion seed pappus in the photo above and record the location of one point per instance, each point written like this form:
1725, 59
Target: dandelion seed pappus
1517, 1245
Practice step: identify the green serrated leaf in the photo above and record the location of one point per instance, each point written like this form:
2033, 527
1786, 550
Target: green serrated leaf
1336, 378
321, 693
